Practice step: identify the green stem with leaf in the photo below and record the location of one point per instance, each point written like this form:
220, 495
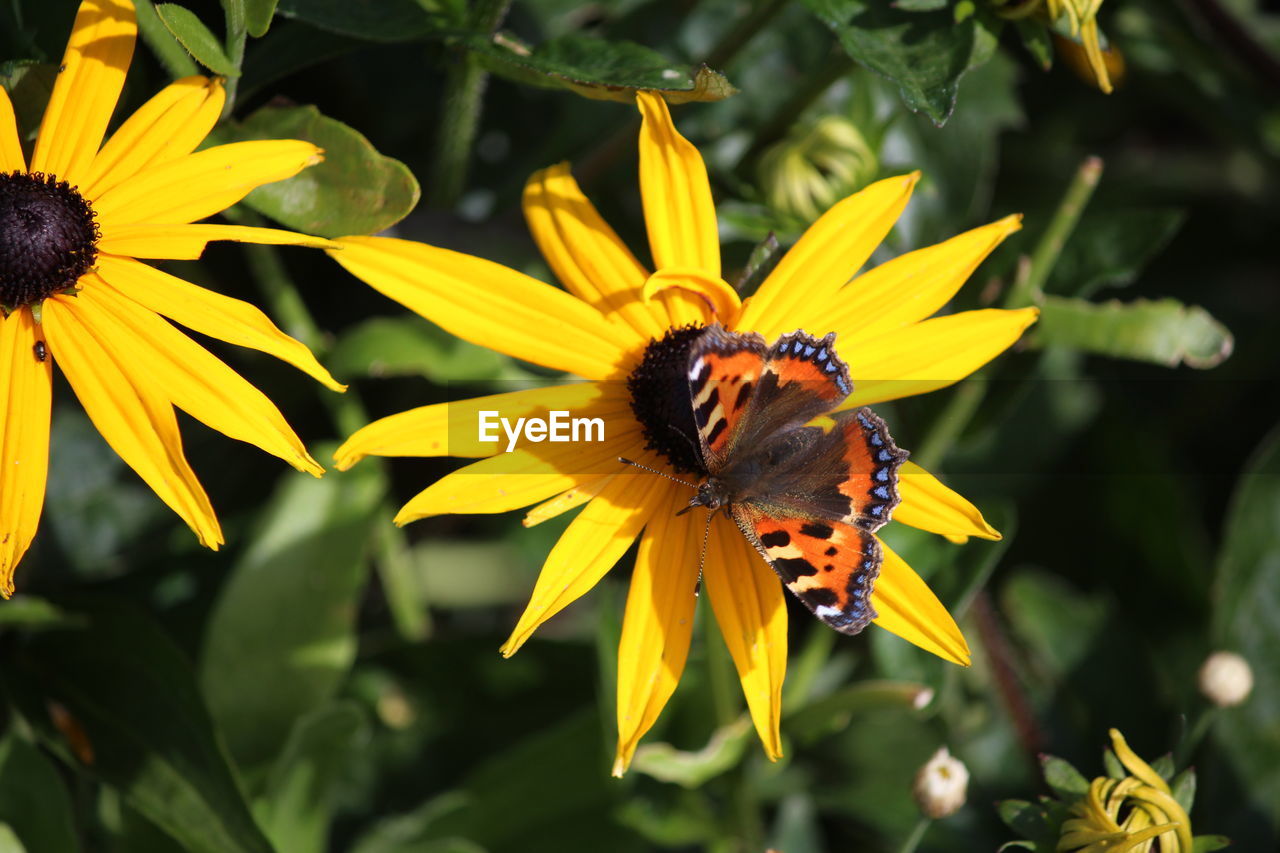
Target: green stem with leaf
463, 102
237, 35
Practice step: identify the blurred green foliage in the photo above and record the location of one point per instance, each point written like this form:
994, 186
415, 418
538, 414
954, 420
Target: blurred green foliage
328, 682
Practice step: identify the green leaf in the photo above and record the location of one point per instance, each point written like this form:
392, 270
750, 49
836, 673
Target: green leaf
723, 751
172, 55
355, 190
9, 842
410, 346
282, 634
1036, 39
1183, 788
1024, 818
195, 37
1162, 332
384, 20
1109, 248
33, 799
28, 613
297, 806
925, 53
29, 85
1064, 780
832, 712
258, 15
1246, 619
1053, 621
598, 69
1209, 843
118, 700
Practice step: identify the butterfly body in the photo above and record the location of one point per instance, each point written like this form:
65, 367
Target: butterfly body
807, 485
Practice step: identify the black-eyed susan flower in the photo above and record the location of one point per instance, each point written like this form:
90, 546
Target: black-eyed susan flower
73, 222
617, 326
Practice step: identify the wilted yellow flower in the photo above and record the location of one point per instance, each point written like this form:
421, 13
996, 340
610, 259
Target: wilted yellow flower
72, 293
1137, 813
816, 166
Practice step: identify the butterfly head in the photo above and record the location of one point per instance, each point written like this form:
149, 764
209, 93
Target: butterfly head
711, 494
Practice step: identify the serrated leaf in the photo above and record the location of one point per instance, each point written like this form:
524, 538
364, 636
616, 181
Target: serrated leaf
196, 38
407, 346
356, 190
118, 700
385, 20
1247, 587
1110, 248
297, 804
1064, 780
1162, 332
692, 769
258, 15
281, 637
924, 53
596, 68
34, 803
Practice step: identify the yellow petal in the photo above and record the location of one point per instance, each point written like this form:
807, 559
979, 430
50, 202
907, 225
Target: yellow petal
565, 501
586, 255
11, 158
720, 302
169, 125
930, 355
187, 242
907, 607
929, 505
589, 547
1093, 50
86, 90
25, 385
133, 417
827, 255
453, 429
678, 211
204, 183
747, 598
209, 313
658, 623
512, 480
187, 374
1134, 764
913, 286
488, 304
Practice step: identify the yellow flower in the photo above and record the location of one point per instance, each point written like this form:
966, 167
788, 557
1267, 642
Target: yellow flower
72, 224
614, 315
1137, 813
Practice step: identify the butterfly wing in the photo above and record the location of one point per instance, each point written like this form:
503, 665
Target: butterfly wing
743, 393
818, 506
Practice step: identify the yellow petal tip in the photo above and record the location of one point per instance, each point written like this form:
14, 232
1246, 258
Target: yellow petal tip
619, 767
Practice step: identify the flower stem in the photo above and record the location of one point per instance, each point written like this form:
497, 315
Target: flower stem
950, 423
1204, 721
916, 836
404, 596
1029, 289
460, 114
237, 34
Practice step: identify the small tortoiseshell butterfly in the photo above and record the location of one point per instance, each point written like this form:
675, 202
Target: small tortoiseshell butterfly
808, 495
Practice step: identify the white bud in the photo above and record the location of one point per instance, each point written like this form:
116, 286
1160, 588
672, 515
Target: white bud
941, 785
1226, 679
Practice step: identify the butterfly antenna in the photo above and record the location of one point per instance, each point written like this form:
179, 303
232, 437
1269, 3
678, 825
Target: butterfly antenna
702, 557
624, 460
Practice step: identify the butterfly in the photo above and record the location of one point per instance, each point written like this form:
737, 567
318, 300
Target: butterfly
806, 485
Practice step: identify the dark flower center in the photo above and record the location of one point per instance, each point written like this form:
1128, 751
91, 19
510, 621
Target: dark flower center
660, 400
48, 237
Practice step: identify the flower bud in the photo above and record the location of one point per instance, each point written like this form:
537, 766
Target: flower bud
1226, 679
940, 785
816, 166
